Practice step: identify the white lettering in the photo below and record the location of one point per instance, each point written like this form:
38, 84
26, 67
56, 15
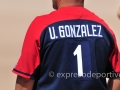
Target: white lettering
78, 30
83, 31
67, 30
94, 30
52, 32
88, 31
73, 33
61, 31
99, 34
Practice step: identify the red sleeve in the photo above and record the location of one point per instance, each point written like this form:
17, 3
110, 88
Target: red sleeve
29, 60
115, 54
115, 57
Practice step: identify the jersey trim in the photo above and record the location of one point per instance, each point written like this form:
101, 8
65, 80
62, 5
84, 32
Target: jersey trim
22, 74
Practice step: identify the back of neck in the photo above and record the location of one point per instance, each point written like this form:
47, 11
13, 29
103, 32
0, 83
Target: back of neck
67, 4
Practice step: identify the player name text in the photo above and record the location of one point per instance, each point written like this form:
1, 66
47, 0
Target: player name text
75, 31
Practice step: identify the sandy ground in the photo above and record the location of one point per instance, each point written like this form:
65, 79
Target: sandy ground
15, 17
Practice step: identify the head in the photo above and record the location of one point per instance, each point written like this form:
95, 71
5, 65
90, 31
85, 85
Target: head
63, 3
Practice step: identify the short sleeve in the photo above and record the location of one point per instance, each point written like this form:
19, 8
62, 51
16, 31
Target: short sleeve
113, 67
29, 61
115, 57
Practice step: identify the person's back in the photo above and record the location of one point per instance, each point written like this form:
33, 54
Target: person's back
74, 50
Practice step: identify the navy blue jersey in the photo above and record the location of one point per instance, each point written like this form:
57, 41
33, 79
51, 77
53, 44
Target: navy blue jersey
69, 49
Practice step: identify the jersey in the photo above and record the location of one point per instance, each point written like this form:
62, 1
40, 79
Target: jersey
69, 49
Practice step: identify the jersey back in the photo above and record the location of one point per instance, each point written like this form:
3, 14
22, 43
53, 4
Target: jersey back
71, 52
69, 49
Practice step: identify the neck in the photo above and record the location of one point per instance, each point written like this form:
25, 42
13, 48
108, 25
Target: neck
70, 4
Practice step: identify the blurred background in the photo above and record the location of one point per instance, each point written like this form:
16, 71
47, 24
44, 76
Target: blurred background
16, 16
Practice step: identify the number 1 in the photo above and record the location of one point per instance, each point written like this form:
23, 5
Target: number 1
78, 52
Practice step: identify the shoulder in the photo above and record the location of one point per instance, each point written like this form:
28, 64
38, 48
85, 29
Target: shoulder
36, 26
99, 20
39, 22
40, 18
45, 19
